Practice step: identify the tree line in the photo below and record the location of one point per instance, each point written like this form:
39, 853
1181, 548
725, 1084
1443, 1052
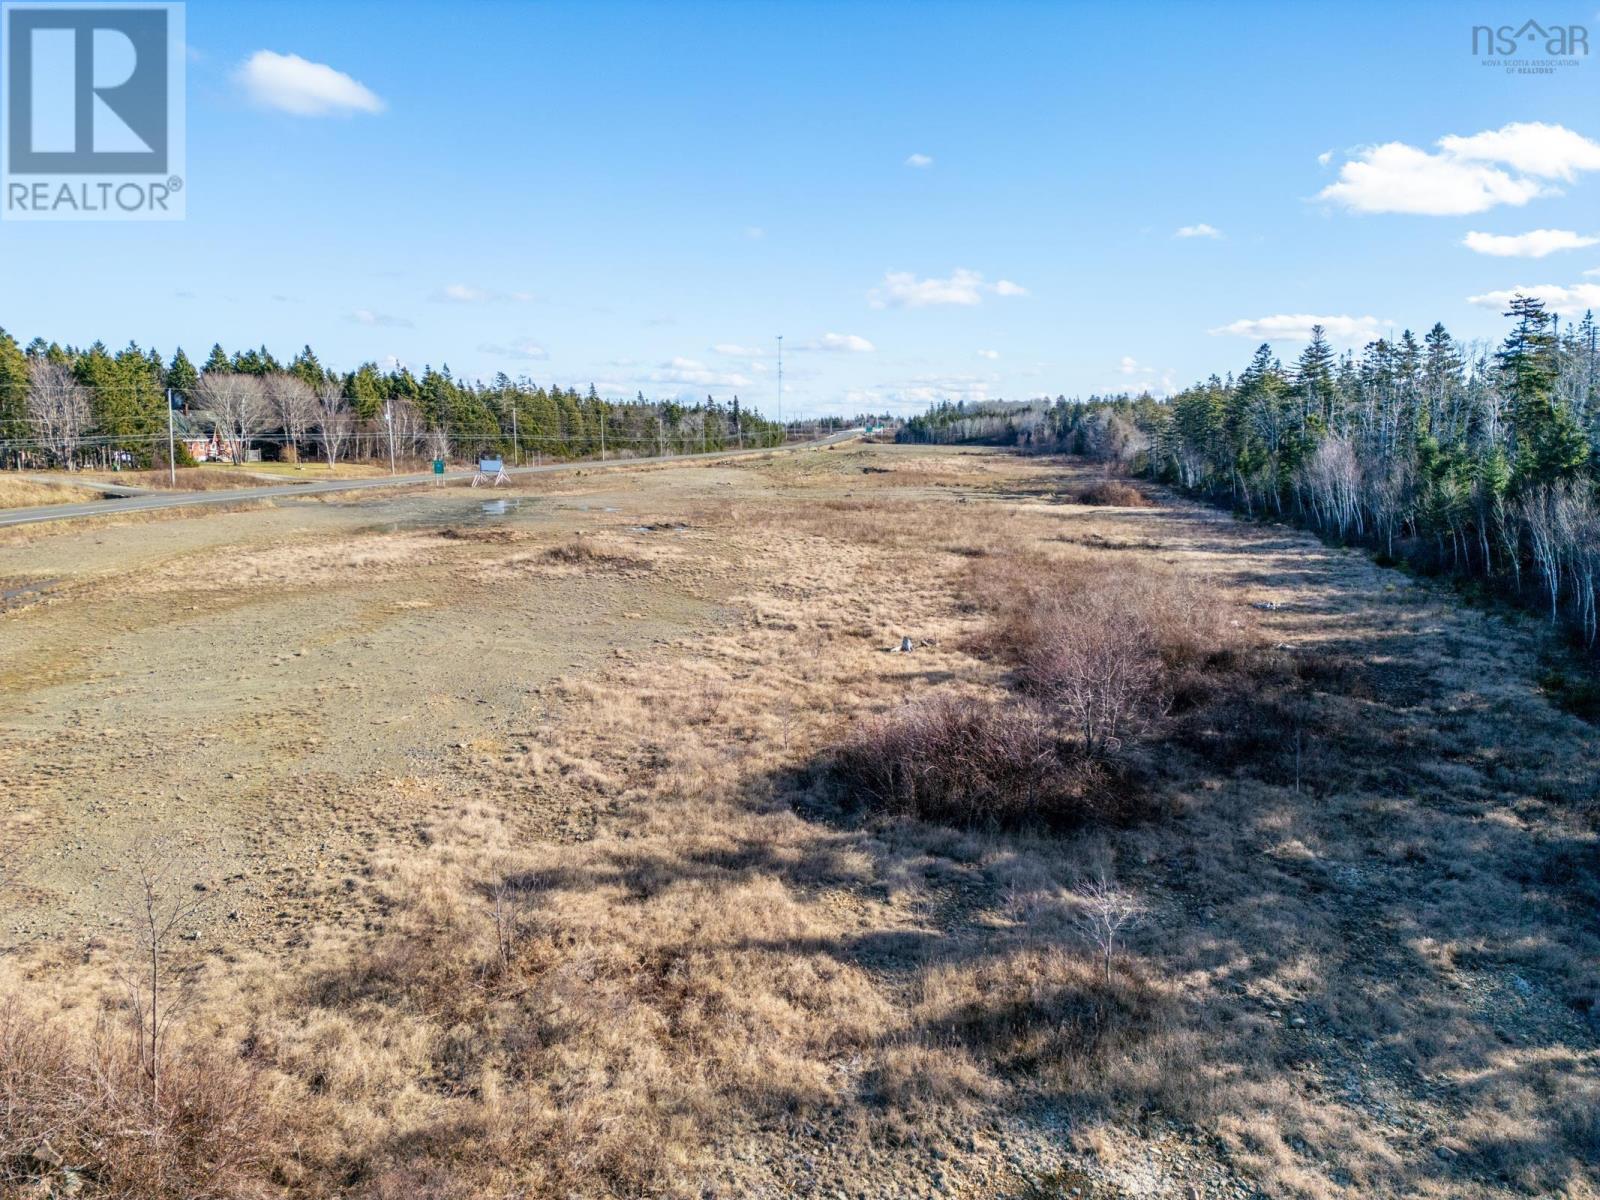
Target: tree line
1481, 461
67, 406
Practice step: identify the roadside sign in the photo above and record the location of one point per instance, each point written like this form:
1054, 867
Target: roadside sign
491, 471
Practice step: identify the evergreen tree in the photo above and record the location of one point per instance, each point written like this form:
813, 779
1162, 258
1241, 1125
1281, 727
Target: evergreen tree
14, 424
217, 361
1547, 444
181, 374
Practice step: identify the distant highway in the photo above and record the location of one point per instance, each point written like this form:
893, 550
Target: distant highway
145, 501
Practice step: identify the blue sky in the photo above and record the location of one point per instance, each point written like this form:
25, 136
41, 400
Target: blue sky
927, 200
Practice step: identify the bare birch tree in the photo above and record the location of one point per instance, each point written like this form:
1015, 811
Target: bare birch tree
335, 422
58, 408
294, 405
1105, 912
238, 405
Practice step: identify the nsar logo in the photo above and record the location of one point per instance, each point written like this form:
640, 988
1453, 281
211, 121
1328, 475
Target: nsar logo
1530, 48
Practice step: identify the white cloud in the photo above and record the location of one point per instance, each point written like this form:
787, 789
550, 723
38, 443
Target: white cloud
1532, 147
902, 289
466, 293
919, 160
914, 395
734, 350
365, 316
522, 348
1325, 157
1297, 328
690, 371
1536, 243
844, 343
1140, 377
991, 355
1396, 178
1202, 230
1565, 301
1511, 165
292, 84
754, 232
1591, 272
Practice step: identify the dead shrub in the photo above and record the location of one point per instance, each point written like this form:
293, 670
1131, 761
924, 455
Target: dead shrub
1096, 663
581, 553
1107, 645
982, 764
487, 537
1112, 493
77, 1116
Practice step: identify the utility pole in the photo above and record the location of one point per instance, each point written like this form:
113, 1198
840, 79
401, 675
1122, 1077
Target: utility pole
516, 445
602, 435
388, 419
781, 425
172, 457
661, 446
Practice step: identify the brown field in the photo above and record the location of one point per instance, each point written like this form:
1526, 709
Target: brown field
594, 839
208, 478
17, 492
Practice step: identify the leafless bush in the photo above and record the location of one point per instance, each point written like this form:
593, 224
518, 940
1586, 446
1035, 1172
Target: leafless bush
1108, 645
977, 763
1097, 663
1112, 493
77, 1108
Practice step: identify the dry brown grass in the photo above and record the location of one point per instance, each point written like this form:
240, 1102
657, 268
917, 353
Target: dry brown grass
16, 492
189, 479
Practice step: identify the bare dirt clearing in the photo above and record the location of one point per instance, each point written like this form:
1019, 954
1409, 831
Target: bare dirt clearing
533, 880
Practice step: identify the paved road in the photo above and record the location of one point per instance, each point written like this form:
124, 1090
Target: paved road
147, 500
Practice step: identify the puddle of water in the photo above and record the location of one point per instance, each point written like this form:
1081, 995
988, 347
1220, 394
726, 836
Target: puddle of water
499, 508
24, 594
